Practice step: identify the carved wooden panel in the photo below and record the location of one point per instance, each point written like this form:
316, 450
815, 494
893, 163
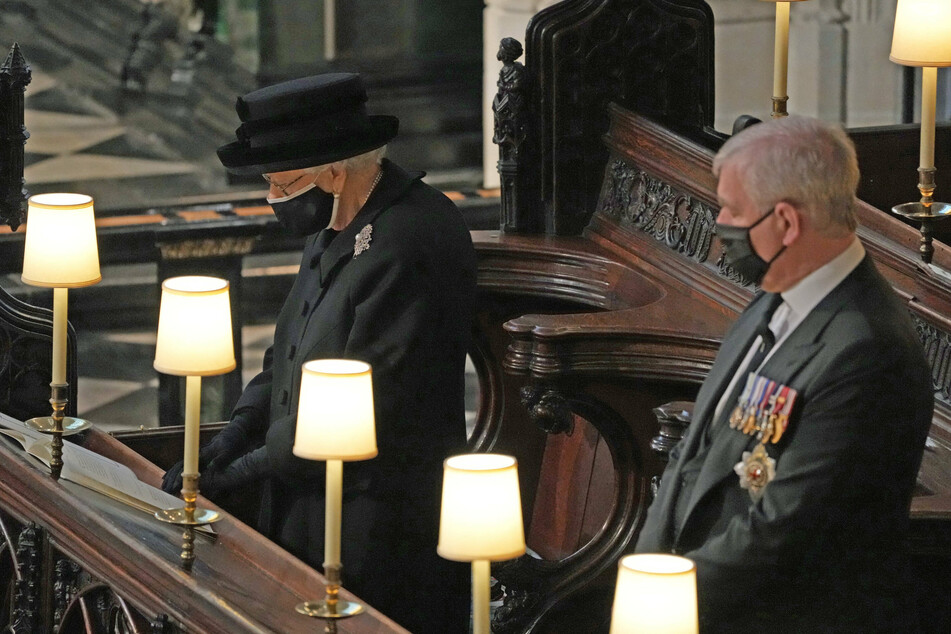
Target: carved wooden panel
50, 592
652, 56
26, 342
640, 202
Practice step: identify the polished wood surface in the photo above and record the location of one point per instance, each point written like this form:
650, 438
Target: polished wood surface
241, 582
648, 300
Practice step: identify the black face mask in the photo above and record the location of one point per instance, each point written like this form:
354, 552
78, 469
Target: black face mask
738, 252
305, 212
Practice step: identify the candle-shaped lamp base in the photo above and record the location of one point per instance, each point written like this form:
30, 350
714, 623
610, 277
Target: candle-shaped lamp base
926, 215
780, 60
331, 607
57, 426
190, 517
480, 597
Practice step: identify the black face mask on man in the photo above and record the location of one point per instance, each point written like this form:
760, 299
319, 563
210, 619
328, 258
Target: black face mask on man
739, 254
306, 211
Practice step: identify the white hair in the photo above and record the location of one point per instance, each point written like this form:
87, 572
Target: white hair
356, 163
806, 162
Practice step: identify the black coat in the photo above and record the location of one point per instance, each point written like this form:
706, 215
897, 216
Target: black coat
404, 305
822, 549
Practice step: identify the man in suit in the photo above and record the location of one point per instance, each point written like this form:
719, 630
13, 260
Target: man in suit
791, 488
387, 277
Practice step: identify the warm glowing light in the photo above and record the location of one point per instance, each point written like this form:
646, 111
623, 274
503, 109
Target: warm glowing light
194, 329
655, 593
60, 249
922, 35
481, 509
335, 419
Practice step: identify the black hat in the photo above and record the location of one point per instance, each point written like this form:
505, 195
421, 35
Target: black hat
304, 122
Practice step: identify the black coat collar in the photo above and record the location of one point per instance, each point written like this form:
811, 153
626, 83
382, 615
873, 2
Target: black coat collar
393, 185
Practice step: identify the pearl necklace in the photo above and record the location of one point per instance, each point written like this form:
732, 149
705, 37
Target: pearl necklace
376, 181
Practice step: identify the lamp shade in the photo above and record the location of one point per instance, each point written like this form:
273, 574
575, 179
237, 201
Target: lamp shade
60, 249
922, 35
655, 593
481, 516
335, 418
194, 329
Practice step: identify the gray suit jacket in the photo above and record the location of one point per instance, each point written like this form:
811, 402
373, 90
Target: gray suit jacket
821, 550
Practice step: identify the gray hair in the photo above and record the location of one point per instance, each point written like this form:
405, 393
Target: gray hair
806, 162
356, 163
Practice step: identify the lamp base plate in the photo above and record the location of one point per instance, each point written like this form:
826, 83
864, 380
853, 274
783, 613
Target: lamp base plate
179, 517
320, 609
45, 425
917, 211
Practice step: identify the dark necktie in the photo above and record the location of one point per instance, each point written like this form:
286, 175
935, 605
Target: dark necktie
767, 339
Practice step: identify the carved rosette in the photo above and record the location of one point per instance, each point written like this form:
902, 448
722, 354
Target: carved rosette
643, 203
549, 410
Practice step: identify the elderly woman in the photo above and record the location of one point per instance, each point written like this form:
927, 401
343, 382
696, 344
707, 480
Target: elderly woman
387, 277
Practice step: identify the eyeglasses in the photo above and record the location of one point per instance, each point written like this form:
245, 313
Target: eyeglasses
284, 187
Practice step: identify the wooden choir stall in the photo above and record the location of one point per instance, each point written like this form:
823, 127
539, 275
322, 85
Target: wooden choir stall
602, 301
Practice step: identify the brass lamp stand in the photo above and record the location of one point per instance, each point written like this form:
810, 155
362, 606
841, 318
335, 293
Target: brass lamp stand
190, 517
194, 339
921, 39
335, 422
60, 251
925, 212
331, 607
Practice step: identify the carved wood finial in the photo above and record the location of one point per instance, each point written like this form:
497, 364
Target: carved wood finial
510, 111
15, 74
15, 68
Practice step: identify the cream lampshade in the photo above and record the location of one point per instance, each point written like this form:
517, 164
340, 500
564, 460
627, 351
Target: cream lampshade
194, 340
481, 520
194, 329
922, 37
335, 413
655, 593
335, 422
481, 509
60, 251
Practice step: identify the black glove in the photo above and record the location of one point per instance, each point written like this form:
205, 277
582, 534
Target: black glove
247, 469
227, 445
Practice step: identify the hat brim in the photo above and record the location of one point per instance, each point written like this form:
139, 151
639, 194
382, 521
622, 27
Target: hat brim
240, 158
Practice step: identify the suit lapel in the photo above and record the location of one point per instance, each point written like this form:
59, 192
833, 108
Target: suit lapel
732, 351
734, 347
783, 367
393, 185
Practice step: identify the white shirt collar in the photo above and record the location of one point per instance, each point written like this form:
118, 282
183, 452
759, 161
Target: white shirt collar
811, 290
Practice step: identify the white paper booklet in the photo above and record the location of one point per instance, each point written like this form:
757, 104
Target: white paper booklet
89, 469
